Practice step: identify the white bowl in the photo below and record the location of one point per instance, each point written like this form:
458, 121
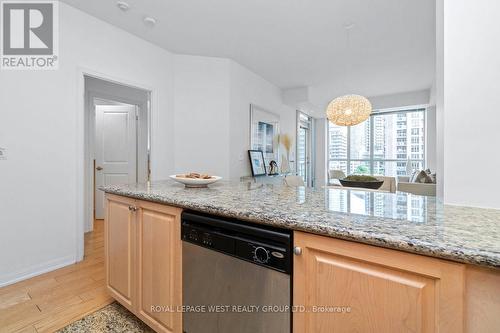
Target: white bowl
195, 182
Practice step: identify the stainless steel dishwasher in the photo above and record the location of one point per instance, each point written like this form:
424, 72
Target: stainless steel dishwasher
236, 276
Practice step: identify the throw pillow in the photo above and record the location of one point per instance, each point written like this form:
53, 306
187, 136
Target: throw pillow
433, 177
413, 176
423, 177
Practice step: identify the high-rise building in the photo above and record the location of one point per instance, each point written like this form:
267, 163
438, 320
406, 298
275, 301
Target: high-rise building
337, 148
397, 137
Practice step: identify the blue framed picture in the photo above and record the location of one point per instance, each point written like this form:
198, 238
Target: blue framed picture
257, 163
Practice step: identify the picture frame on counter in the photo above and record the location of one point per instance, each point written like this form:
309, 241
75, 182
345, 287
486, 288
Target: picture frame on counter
257, 163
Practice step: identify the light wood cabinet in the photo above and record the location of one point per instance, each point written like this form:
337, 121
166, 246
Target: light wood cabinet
385, 290
119, 249
159, 265
143, 260
482, 300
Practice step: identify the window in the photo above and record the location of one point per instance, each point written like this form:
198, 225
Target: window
382, 145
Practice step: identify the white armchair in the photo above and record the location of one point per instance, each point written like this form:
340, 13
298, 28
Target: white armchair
389, 184
335, 175
427, 189
294, 181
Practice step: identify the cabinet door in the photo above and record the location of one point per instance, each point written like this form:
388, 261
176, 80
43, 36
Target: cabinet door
159, 266
119, 247
378, 290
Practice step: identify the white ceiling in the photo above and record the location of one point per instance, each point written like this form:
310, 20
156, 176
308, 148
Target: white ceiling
296, 43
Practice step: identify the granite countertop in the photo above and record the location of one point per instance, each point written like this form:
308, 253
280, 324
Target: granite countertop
399, 221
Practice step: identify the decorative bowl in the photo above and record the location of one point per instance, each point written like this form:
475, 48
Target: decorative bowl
373, 185
195, 182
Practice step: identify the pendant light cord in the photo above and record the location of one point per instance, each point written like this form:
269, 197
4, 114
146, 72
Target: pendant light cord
347, 27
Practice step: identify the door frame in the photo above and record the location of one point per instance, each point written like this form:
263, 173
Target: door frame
84, 169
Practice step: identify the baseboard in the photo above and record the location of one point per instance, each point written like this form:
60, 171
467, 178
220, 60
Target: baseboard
88, 228
48, 266
89, 225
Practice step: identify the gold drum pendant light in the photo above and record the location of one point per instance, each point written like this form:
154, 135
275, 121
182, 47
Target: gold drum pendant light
349, 110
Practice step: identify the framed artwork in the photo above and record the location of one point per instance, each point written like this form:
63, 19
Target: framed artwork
257, 163
264, 130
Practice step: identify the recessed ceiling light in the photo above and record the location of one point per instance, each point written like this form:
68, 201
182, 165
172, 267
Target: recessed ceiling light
149, 21
123, 5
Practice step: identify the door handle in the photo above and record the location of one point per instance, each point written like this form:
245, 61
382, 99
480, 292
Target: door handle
99, 168
132, 208
297, 250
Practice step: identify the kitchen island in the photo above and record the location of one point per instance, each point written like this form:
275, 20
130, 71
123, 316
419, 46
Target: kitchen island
408, 252
399, 221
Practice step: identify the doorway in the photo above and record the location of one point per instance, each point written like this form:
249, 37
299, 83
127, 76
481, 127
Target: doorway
117, 147
304, 153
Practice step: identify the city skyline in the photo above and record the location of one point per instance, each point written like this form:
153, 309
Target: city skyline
397, 138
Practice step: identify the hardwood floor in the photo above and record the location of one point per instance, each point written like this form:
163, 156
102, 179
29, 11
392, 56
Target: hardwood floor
53, 300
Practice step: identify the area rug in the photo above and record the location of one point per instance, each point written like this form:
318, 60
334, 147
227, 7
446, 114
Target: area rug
113, 318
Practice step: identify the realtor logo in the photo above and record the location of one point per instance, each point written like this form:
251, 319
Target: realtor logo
29, 36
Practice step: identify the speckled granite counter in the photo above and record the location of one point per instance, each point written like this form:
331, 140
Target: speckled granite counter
399, 221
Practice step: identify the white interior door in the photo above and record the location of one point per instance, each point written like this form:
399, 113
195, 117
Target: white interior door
115, 149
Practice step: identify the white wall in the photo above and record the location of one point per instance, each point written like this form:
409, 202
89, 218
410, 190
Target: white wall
439, 99
431, 132
39, 115
248, 88
212, 114
320, 174
202, 99
471, 99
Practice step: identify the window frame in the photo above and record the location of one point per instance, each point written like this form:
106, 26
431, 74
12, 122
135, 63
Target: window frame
371, 161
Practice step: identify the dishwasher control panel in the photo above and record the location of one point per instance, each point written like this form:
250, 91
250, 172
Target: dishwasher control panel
264, 247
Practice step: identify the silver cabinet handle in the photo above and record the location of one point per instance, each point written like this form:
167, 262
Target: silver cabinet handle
297, 250
132, 208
